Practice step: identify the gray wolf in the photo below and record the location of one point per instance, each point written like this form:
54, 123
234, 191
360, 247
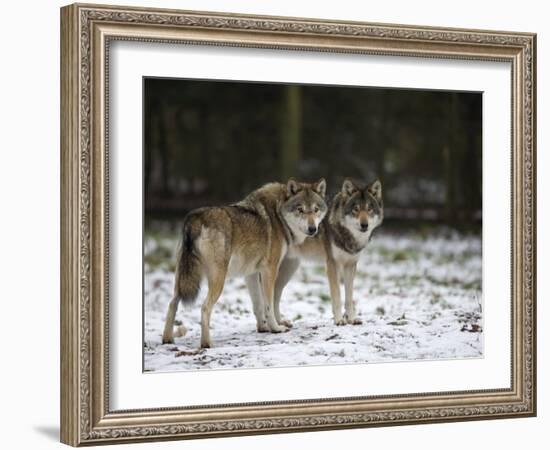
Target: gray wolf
250, 239
355, 212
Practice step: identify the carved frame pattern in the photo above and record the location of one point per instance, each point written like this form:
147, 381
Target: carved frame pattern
86, 33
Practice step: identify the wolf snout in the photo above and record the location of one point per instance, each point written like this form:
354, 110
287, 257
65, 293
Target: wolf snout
364, 226
311, 230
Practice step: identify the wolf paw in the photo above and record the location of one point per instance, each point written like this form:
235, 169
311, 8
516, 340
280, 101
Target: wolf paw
285, 323
263, 328
353, 320
180, 331
206, 344
167, 339
279, 329
339, 322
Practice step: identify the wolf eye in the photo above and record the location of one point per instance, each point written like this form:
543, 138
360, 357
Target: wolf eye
300, 209
315, 209
356, 208
369, 208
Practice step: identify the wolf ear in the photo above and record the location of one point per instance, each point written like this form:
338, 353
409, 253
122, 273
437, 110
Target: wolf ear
320, 187
348, 187
375, 189
292, 187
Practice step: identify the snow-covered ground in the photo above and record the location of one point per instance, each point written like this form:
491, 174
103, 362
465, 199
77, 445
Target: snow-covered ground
419, 298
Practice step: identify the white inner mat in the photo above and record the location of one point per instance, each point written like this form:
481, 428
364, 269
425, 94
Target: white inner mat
132, 389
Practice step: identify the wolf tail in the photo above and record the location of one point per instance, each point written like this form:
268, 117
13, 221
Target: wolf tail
188, 268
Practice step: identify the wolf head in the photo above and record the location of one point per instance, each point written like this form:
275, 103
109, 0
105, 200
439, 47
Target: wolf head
304, 207
360, 207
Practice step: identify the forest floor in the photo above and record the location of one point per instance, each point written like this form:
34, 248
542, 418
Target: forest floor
418, 295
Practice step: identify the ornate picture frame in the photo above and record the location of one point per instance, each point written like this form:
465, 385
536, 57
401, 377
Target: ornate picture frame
86, 34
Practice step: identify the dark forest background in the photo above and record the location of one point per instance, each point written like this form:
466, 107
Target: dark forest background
211, 143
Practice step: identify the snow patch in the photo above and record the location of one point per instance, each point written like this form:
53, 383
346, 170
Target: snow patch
419, 298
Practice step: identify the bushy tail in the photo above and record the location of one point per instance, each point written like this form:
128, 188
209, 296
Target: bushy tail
188, 269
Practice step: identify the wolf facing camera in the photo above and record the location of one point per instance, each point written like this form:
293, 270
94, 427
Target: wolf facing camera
355, 212
250, 239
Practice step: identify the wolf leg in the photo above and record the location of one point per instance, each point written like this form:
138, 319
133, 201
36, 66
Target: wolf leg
349, 276
287, 268
168, 335
258, 304
268, 277
215, 287
332, 274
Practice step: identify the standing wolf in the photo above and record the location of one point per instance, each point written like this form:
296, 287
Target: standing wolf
249, 239
345, 231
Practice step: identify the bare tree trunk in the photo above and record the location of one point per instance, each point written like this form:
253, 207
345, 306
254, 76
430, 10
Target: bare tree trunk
451, 159
163, 151
449, 191
148, 125
386, 136
291, 131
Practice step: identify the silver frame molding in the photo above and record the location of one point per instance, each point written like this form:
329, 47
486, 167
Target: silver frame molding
86, 32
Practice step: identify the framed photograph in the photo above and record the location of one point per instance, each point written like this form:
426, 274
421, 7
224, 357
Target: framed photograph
274, 224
